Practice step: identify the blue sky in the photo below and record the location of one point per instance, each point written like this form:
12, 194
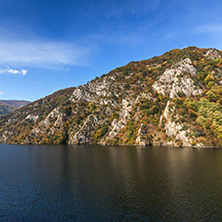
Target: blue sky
47, 45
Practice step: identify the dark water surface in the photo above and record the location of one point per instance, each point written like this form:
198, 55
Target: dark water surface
96, 183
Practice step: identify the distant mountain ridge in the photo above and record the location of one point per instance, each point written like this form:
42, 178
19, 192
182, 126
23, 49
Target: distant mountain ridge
16, 103
174, 99
7, 106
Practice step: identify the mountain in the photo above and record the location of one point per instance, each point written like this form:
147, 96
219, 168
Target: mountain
173, 99
15, 103
7, 106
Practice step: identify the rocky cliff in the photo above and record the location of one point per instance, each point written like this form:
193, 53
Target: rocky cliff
174, 99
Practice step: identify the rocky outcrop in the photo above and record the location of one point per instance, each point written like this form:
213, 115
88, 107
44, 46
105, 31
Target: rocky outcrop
97, 91
212, 54
120, 123
83, 136
32, 117
139, 139
178, 79
174, 128
46, 123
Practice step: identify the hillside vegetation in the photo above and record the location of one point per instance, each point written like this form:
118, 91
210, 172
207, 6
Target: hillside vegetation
174, 99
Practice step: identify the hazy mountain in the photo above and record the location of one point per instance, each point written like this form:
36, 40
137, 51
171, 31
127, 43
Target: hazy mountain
173, 99
7, 106
16, 103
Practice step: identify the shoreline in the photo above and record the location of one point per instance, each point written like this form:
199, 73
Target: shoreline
123, 145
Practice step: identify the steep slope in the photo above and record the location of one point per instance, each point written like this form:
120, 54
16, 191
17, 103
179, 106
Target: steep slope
7, 106
173, 99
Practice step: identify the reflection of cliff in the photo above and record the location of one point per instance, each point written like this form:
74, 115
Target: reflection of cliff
141, 182
93, 183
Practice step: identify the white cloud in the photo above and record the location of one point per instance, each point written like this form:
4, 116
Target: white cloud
41, 54
13, 71
1, 93
24, 72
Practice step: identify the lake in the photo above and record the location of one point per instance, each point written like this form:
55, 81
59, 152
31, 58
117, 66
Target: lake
109, 183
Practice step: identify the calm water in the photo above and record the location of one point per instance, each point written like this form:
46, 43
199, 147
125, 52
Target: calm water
95, 183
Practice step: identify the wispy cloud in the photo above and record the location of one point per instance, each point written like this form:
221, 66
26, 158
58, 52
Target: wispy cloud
41, 54
125, 35
1, 93
129, 39
208, 28
212, 29
23, 72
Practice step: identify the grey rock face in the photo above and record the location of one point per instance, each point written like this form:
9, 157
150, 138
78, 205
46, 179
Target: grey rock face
94, 91
32, 117
174, 128
212, 54
178, 79
83, 135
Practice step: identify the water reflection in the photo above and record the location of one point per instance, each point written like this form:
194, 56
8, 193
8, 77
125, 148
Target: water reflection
44, 183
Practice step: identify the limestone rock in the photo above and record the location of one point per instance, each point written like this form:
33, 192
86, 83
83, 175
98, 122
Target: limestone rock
178, 79
212, 54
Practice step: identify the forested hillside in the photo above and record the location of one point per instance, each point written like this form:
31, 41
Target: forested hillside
173, 99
